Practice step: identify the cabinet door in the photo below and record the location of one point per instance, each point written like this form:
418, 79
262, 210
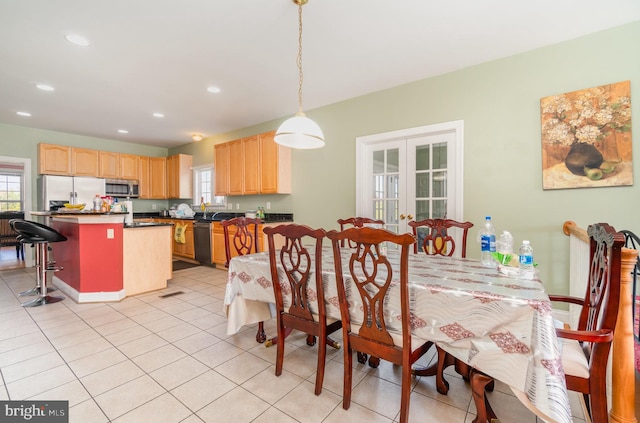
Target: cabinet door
158, 176
222, 168
109, 165
236, 167
251, 165
219, 255
144, 187
172, 186
85, 162
188, 246
129, 164
179, 176
54, 159
275, 166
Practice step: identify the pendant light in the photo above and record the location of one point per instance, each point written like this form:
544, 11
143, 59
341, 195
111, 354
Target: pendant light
300, 131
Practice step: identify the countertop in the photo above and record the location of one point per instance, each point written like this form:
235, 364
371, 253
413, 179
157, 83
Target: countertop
145, 224
216, 216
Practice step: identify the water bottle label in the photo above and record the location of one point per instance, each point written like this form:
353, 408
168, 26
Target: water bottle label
488, 243
526, 260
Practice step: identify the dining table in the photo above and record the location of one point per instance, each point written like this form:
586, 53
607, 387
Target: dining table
497, 322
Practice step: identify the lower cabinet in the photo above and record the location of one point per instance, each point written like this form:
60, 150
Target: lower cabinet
219, 254
179, 249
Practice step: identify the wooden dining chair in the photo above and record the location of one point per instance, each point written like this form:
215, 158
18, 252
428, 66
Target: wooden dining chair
241, 238
438, 240
296, 275
585, 350
358, 222
370, 281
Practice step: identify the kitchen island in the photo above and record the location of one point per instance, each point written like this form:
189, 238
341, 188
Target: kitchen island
105, 260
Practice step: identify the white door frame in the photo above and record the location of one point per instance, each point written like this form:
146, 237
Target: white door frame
26, 163
456, 151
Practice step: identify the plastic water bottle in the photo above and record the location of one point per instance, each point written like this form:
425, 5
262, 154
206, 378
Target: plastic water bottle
487, 243
526, 260
504, 246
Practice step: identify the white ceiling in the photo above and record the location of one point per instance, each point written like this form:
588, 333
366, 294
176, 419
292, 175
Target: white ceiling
160, 56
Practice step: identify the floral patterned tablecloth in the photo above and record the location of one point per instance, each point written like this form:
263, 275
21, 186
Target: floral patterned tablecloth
499, 324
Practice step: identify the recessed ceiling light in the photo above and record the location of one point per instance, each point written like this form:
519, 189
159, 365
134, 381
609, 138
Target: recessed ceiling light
158, 115
77, 39
45, 87
214, 90
123, 131
25, 114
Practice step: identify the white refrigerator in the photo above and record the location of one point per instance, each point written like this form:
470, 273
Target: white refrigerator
54, 191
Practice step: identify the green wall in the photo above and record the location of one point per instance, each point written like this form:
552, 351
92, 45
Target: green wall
499, 103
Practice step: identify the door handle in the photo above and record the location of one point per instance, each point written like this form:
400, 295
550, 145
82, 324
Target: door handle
402, 216
410, 217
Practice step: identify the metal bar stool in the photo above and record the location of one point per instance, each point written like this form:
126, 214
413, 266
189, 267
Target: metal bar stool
39, 236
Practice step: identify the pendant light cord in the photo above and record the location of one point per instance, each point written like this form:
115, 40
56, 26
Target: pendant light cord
299, 59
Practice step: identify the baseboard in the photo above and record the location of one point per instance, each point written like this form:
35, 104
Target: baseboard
87, 297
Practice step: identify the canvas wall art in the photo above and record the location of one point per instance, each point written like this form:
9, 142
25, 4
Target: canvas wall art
586, 138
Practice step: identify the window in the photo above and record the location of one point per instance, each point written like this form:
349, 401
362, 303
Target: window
10, 191
204, 185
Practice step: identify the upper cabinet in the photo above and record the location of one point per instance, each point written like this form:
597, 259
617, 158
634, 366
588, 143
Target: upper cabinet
144, 183
253, 165
129, 164
54, 159
179, 176
221, 160
109, 165
158, 177
84, 162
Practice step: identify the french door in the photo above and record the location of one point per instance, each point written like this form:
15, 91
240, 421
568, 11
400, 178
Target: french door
411, 174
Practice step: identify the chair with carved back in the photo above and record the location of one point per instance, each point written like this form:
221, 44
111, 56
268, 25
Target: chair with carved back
241, 238
296, 275
359, 222
435, 238
365, 284
585, 350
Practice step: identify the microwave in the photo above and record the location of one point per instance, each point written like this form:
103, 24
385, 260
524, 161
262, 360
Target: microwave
122, 188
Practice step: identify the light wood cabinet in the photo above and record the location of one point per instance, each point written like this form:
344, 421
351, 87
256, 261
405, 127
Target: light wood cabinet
253, 165
144, 183
220, 256
109, 165
158, 177
178, 249
84, 162
179, 177
236, 168
275, 166
221, 160
54, 159
129, 166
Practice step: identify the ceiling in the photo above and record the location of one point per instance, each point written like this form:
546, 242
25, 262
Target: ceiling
151, 56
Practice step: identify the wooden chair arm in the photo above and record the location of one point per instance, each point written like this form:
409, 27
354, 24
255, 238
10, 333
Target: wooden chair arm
567, 299
586, 335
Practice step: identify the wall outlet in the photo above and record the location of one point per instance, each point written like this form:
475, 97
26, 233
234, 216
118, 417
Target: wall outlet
230, 206
268, 205
153, 207
237, 206
110, 233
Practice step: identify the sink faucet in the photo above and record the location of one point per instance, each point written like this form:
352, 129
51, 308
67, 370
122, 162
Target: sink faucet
213, 216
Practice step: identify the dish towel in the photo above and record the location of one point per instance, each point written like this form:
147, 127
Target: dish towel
179, 233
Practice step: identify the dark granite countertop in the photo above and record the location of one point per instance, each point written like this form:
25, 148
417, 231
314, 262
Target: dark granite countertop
216, 216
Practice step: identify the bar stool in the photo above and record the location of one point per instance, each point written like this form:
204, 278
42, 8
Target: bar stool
39, 236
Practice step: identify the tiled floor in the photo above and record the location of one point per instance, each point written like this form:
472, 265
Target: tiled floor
169, 359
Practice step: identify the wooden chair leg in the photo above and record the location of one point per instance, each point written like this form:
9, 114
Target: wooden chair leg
479, 381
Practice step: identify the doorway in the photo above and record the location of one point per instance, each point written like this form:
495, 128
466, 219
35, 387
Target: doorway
8, 259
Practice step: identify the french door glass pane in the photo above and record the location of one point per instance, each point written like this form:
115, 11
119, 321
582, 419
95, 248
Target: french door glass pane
378, 161
422, 185
393, 160
422, 209
440, 184
422, 157
393, 213
439, 209
378, 186
378, 209
393, 187
440, 156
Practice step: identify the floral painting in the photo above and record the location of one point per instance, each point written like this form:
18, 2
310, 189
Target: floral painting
586, 138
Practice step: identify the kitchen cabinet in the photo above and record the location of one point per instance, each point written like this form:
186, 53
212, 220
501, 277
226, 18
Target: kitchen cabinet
253, 165
158, 177
179, 177
236, 168
275, 166
109, 165
222, 168
84, 162
219, 253
129, 166
144, 182
178, 249
54, 159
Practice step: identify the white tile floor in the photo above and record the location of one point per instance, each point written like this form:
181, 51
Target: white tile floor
157, 359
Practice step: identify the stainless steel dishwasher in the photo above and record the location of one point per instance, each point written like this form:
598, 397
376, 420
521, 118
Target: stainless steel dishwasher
202, 241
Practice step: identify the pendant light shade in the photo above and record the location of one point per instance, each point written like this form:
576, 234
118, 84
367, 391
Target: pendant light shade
300, 131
